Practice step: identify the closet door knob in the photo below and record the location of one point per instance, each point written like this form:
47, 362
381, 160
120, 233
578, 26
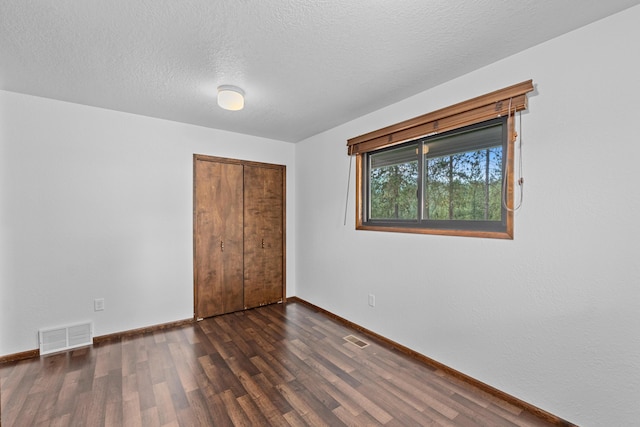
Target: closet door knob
221, 246
262, 243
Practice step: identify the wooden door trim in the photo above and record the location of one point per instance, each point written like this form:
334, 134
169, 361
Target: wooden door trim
284, 234
207, 158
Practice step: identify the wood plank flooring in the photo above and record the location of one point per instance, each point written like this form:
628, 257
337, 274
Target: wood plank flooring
280, 365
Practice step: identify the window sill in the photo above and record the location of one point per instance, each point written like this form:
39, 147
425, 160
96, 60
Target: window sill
441, 232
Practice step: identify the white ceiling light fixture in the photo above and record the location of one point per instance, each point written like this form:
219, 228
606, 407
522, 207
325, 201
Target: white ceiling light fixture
230, 97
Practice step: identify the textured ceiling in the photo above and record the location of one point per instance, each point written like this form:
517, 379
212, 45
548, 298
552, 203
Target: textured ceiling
306, 66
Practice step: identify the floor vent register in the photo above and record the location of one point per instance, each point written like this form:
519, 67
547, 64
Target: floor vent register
356, 341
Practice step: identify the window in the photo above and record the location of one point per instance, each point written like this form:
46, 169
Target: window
449, 181
450, 172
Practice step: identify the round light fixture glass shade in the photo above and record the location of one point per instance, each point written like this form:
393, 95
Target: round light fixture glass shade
230, 97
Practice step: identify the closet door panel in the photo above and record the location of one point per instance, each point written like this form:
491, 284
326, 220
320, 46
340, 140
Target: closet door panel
263, 233
218, 244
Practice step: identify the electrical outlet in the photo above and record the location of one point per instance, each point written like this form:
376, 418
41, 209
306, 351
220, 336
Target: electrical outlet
98, 304
372, 300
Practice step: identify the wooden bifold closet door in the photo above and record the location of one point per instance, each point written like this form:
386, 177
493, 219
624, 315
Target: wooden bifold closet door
263, 275
239, 228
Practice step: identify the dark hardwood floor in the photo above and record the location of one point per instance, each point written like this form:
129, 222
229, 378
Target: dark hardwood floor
276, 365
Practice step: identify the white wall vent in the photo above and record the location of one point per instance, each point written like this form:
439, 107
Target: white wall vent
65, 337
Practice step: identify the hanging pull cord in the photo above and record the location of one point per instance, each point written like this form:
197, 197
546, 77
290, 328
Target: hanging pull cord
346, 204
520, 181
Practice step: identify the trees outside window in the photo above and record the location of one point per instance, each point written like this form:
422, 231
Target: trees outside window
465, 186
394, 184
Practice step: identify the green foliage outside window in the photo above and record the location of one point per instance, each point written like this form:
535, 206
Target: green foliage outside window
465, 186
394, 191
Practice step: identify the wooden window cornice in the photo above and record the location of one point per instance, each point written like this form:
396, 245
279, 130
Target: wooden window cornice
476, 110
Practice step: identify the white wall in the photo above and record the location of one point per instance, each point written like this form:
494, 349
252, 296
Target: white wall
98, 204
552, 317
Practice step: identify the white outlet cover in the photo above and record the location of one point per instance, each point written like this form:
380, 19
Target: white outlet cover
98, 304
